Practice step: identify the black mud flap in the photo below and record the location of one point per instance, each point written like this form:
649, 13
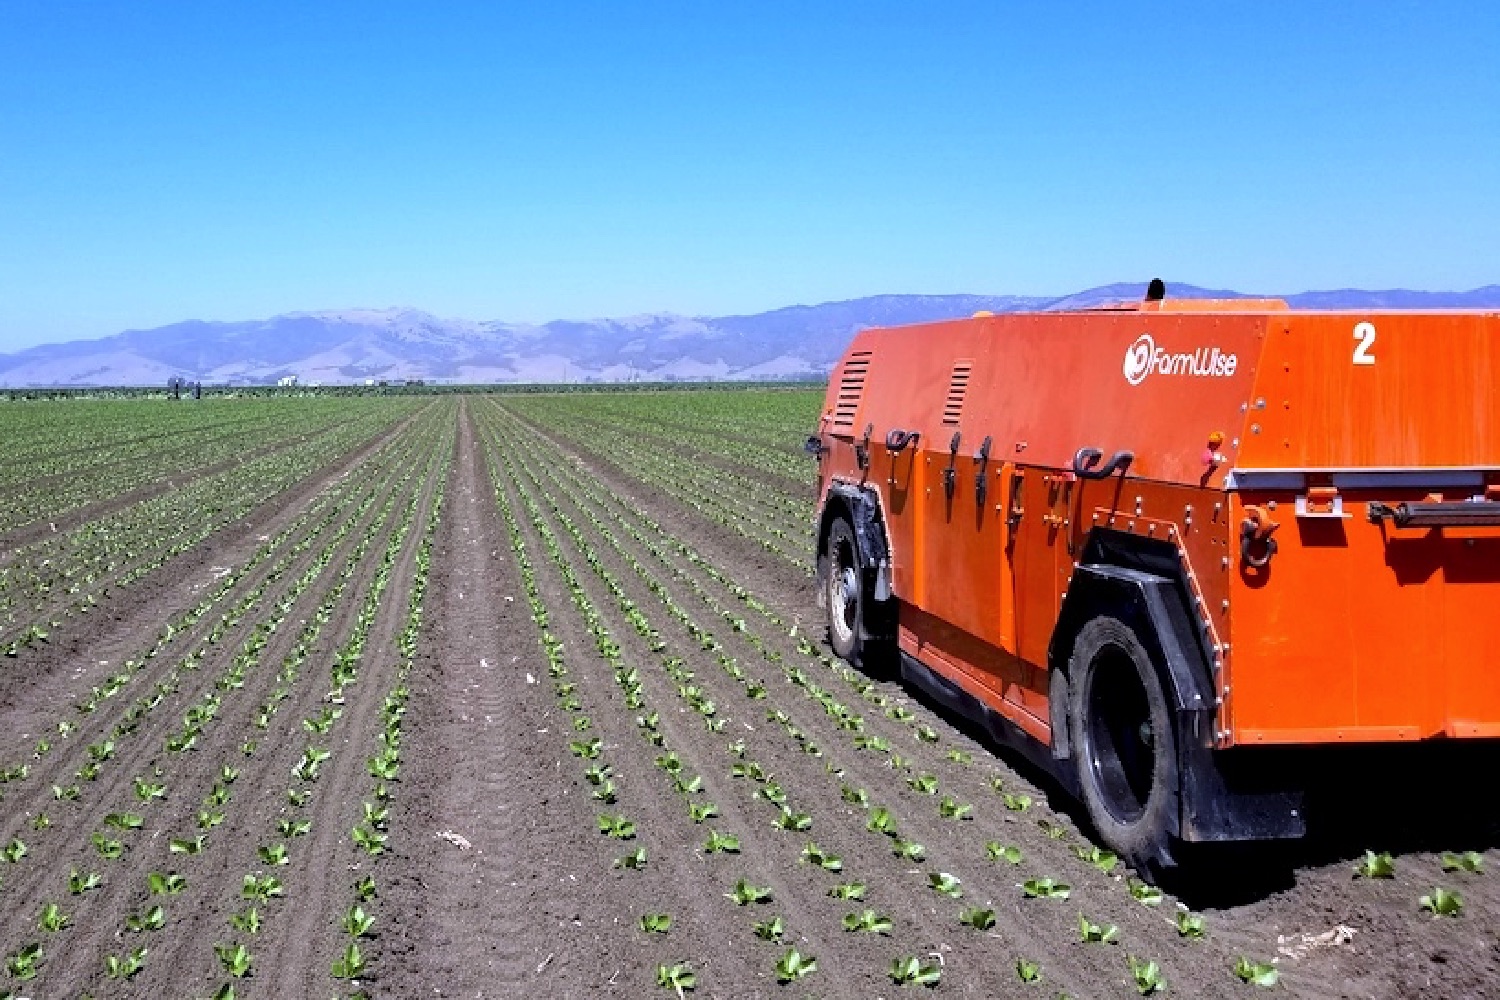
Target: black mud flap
1223, 795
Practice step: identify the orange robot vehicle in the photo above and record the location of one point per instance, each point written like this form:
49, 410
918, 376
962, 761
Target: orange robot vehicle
1146, 544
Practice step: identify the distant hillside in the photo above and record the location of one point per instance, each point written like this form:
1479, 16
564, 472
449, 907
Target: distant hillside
354, 345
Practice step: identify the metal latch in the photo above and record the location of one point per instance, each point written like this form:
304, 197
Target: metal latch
1321, 502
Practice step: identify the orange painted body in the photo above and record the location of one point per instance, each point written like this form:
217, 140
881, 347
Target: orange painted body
1355, 631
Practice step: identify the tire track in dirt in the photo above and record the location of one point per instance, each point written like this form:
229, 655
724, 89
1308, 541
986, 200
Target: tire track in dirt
482, 684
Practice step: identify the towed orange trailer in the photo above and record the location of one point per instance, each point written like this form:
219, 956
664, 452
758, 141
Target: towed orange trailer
1145, 544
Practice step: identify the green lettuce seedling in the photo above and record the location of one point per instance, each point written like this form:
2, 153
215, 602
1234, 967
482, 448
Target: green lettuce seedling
1442, 903
794, 965
1146, 895
235, 958
745, 893
1374, 865
125, 966
881, 821
53, 919
908, 850
108, 848
814, 855
1105, 861
945, 883
996, 850
949, 808
655, 923
911, 970
81, 882
165, 885
1090, 932
22, 964
1147, 976
1189, 925
978, 918
769, 930
795, 821
349, 965
1256, 973
1468, 861
357, 922
247, 921
679, 977
194, 845
721, 843
151, 920
1045, 888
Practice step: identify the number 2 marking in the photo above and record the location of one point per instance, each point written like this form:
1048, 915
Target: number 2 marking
1365, 334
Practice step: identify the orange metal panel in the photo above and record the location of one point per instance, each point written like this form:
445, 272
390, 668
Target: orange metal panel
1355, 631
1376, 390
1360, 633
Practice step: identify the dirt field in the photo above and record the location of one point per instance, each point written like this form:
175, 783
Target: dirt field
450, 715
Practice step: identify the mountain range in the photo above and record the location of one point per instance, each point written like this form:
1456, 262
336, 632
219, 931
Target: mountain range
355, 345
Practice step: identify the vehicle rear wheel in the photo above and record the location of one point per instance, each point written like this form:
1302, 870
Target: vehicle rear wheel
851, 608
1125, 747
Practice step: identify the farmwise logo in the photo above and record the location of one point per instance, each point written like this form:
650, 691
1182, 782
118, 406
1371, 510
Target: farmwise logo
1143, 357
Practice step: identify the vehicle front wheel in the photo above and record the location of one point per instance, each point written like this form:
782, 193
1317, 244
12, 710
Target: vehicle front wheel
851, 608
1125, 746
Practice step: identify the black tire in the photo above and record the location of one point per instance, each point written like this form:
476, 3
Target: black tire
1124, 743
852, 609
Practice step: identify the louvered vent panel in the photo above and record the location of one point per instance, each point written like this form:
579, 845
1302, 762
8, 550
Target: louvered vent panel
851, 388
958, 388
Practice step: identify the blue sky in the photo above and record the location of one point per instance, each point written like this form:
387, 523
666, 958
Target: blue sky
530, 161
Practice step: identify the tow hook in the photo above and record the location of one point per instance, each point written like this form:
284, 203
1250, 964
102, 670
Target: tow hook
1256, 533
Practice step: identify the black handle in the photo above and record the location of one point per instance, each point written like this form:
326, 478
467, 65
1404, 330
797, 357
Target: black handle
980, 480
1086, 459
813, 446
898, 439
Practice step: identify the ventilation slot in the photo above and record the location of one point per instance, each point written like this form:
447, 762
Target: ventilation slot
851, 388
958, 388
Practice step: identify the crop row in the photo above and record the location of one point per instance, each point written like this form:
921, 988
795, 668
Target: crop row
60, 484
163, 781
728, 499
66, 575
